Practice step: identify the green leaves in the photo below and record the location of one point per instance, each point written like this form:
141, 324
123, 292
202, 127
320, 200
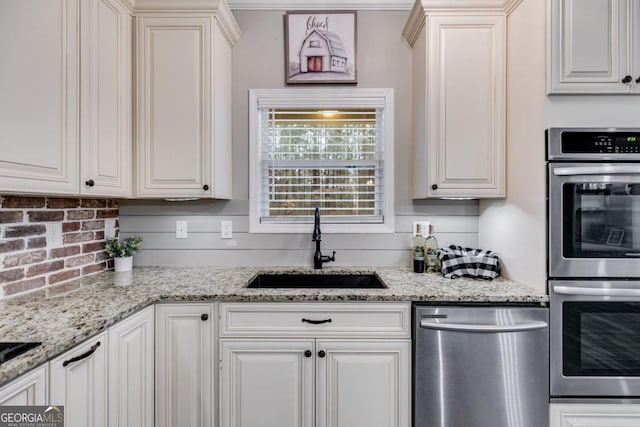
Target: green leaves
127, 247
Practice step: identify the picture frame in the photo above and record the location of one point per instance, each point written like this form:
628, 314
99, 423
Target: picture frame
320, 47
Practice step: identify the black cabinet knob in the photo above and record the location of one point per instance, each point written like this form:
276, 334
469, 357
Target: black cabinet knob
205, 187
307, 353
638, 80
627, 79
434, 187
321, 353
204, 317
89, 183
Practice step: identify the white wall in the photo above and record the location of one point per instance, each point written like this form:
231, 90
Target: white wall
383, 60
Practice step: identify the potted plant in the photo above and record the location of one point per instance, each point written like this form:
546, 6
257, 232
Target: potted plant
122, 252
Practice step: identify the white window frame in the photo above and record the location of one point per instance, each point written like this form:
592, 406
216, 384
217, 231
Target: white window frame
320, 98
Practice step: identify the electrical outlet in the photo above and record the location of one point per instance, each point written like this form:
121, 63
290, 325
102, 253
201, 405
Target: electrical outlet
424, 228
54, 234
181, 230
226, 229
109, 228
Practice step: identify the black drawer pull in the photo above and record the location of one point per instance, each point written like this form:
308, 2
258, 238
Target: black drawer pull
316, 322
83, 355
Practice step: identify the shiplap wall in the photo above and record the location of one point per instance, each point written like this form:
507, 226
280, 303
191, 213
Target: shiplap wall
383, 61
155, 221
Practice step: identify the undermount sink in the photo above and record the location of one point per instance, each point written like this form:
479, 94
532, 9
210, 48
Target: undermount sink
325, 281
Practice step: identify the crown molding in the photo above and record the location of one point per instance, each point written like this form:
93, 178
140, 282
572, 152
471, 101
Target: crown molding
218, 8
422, 8
320, 5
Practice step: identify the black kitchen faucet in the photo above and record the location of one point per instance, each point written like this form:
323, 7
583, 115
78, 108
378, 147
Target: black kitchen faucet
318, 258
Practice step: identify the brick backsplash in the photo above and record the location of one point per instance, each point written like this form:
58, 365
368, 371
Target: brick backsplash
28, 261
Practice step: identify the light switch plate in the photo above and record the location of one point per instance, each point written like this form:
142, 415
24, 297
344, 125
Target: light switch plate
226, 229
181, 230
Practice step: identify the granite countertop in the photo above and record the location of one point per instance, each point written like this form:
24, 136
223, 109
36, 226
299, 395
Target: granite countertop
65, 315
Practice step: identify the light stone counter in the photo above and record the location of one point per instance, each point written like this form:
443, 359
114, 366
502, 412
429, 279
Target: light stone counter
65, 315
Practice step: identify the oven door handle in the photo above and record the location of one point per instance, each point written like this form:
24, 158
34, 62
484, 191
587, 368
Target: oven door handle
596, 292
466, 327
597, 170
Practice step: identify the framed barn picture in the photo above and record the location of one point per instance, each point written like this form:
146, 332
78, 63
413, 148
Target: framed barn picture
320, 47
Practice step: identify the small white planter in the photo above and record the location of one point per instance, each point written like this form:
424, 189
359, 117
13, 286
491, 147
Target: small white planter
122, 264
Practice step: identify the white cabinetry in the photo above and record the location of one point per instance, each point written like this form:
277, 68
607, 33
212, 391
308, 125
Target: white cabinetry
459, 114
184, 365
592, 414
30, 389
131, 355
183, 96
39, 87
315, 365
106, 150
65, 116
592, 46
78, 380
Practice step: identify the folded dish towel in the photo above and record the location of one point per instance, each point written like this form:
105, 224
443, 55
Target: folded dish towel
456, 261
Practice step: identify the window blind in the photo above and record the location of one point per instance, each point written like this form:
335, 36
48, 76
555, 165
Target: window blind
329, 158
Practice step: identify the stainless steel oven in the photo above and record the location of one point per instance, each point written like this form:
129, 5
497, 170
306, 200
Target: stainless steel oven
594, 202
595, 338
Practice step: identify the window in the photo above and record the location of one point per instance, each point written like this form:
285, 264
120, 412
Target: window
331, 148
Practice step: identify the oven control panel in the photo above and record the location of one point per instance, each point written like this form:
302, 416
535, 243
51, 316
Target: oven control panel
601, 142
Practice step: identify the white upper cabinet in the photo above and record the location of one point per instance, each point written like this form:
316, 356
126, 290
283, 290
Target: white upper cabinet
65, 80
591, 47
39, 87
459, 98
183, 100
106, 151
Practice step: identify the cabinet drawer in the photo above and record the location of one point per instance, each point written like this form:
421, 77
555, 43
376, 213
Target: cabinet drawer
316, 319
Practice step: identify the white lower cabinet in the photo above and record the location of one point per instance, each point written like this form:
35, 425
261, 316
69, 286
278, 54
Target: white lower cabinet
267, 383
312, 376
28, 390
78, 380
363, 383
131, 371
184, 365
594, 415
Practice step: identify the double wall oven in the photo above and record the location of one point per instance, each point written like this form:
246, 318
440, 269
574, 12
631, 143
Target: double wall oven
594, 262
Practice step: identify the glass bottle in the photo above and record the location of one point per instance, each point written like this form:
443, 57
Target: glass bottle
431, 252
418, 250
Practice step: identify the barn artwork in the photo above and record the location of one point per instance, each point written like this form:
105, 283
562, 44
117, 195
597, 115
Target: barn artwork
320, 47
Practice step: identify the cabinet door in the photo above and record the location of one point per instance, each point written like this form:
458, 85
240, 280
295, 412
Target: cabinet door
131, 371
28, 390
184, 365
106, 99
466, 106
266, 383
39, 87
634, 10
78, 380
363, 383
588, 46
597, 415
174, 106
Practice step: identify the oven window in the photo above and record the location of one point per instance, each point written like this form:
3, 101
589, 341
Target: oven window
601, 220
601, 339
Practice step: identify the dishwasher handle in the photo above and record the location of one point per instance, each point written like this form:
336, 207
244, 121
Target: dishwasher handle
469, 327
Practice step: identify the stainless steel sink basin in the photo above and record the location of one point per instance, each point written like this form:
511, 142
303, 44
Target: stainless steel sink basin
324, 281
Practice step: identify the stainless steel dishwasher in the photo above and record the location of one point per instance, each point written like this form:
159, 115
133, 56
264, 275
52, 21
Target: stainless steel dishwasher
481, 366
